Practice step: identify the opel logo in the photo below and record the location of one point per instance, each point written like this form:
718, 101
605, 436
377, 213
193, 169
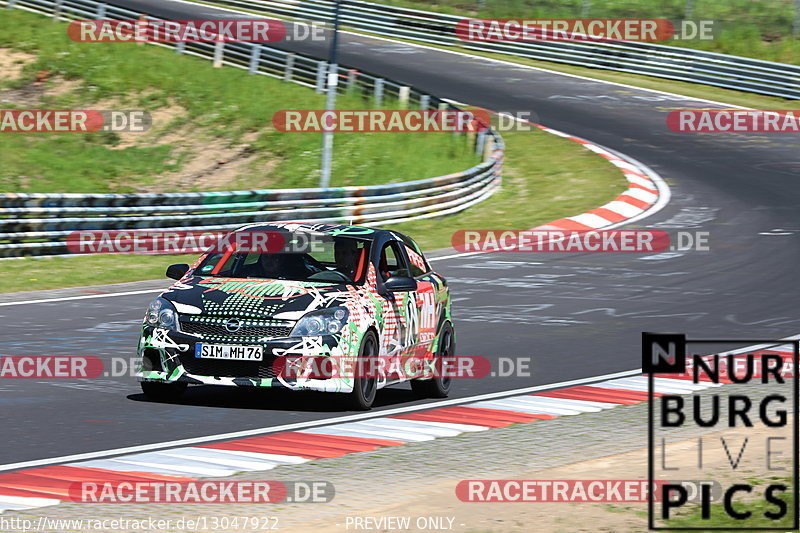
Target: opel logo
233, 325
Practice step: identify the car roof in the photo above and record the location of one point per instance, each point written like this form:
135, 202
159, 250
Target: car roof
360, 232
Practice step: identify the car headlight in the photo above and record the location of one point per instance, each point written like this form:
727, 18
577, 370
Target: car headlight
161, 313
322, 322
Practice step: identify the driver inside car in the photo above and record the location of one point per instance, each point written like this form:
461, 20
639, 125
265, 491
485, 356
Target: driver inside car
280, 266
346, 255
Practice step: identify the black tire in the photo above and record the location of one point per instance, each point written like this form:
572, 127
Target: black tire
163, 392
364, 389
439, 386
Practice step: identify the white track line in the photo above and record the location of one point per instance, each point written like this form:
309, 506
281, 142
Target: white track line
88, 296
413, 425
564, 402
207, 456
466, 428
404, 429
508, 405
272, 457
367, 431
543, 403
121, 466
145, 462
26, 502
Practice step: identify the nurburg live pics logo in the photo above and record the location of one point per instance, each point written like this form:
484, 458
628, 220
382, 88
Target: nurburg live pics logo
747, 504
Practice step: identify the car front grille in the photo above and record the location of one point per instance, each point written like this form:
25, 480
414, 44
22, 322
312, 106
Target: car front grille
232, 369
213, 328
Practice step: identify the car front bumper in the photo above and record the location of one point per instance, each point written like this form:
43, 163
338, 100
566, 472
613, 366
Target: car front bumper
169, 356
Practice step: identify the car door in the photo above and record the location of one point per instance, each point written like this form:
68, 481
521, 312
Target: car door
401, 310
425, 299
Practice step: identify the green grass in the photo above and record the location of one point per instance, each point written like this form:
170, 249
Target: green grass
545, 177
223, 104
751, 28
33, 273
77, 163
555, 179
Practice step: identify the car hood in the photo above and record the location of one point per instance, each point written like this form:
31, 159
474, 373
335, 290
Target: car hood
279, 299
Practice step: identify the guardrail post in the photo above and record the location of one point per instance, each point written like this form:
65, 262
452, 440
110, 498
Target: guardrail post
480, 142
180, 47
10, 4
255, 58
57, 10
142, 22
101, 11
322, 70
488, 148
219, 48
425, 102
352, 76
377, 92
403, 95
796, 26
288, 72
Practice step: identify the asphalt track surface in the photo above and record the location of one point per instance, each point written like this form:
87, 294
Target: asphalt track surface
576, 315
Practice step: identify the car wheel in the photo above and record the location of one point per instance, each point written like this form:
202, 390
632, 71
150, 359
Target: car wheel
438, 387
364, 389
163, 392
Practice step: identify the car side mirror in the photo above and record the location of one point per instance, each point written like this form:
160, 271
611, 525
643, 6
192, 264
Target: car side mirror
177, 271
400, 284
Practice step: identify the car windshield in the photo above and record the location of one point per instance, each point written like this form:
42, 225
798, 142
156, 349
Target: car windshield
303, 257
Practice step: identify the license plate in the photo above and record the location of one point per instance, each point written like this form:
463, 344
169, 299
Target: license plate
225, 351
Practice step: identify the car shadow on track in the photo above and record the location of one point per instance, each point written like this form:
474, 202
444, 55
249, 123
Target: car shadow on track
279, 399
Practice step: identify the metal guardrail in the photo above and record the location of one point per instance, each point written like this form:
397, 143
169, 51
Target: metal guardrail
39, 224
671, 62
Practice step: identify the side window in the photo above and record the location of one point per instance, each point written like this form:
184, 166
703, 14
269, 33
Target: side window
212, 261
418, 265
392, 262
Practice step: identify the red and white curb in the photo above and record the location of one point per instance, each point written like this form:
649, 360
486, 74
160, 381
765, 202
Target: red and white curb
50, 485
646, 194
